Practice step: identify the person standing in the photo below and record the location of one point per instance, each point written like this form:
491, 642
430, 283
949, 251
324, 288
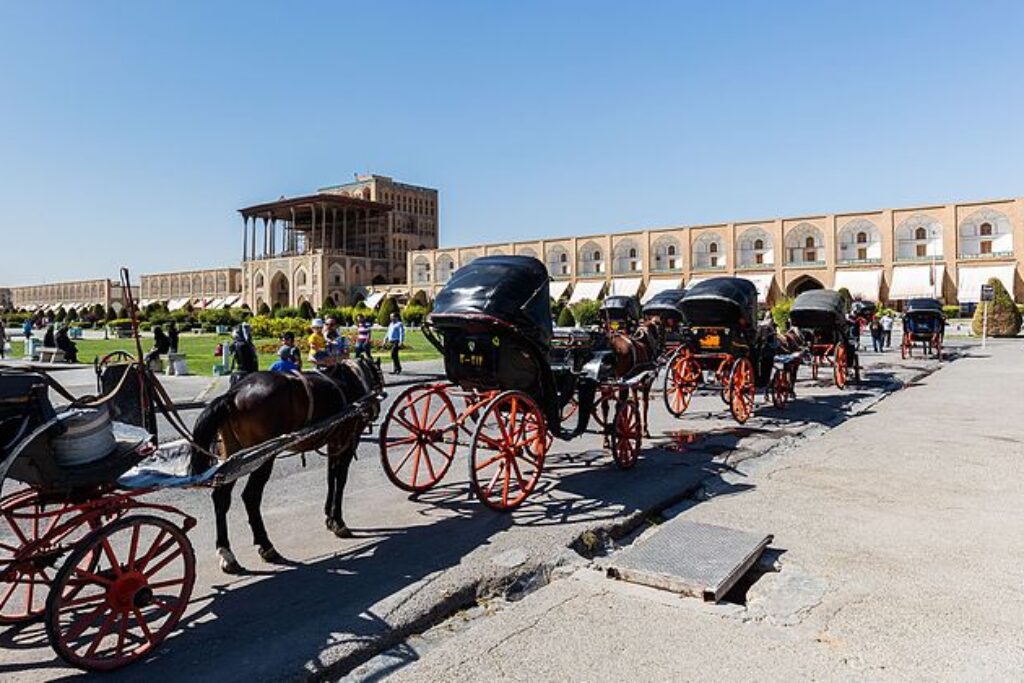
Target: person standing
364, 331
172, 336
48, 342
887, 323
875, 326
26, 330
243, 350
395, 337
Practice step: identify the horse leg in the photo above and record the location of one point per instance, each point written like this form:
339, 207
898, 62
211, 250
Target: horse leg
252, 496
338, 461
221, 505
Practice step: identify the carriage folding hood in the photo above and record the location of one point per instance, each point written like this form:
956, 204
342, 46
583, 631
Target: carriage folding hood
721, 301
818, 308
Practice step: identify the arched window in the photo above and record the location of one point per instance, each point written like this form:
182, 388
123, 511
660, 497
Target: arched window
671, 251
985, 229
920, 234
597, 255
563, 258
259, 280
862, 238
809, 242
758, 244
632, 253
713, 248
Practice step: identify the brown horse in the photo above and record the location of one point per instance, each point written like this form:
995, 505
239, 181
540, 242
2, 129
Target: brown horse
265, 405
632, 353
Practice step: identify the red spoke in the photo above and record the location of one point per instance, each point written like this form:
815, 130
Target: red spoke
153, 549
170, 543
13, 523
167, 584
7, 595
442, 411
490, 461
402, 441
494, 479
122, 632
84, 623
133, 548
411, 407
437, 448
109, 552
143, 625
426, 410
504, 487
416, 464
164, 562
430, 464
519, 475
81, 602
108, 624
411, 428
408, 454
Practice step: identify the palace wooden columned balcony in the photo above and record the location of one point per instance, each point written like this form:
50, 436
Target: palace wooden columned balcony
994, 254
858, 261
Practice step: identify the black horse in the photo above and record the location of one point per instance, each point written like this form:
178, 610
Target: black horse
265, 405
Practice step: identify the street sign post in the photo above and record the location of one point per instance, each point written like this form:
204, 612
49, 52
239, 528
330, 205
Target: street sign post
988, 293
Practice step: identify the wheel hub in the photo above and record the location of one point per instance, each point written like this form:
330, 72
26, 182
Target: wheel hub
130, 590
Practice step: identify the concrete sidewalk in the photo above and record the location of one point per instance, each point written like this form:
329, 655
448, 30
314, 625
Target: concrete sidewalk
898, 539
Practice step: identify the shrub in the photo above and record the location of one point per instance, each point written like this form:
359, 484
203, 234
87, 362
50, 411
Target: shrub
263, 309
414, 314
287, 312
387, 307
565, 318
780, 312
306, 310
1003, 317
586, 313
60, 315
111, 314
268, 327
951, 311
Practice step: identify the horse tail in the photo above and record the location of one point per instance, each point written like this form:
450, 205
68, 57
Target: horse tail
204, 434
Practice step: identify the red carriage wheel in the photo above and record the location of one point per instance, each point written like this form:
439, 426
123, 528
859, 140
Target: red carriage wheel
507, 453
32, 540
681, 380
741, 383
842, 366
722, 377
627, 436
780, 389
106, 614
569, 409
418, 438
602, 405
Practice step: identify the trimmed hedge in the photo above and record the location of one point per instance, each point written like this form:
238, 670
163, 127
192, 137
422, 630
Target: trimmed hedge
1003, 317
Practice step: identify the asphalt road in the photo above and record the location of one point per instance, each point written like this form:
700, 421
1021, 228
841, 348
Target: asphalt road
416, 560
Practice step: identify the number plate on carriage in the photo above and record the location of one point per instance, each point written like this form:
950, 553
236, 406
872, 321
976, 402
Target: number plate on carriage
711, 341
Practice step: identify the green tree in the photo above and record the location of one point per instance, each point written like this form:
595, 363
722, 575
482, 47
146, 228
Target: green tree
1003, 316
99, 312
387, 307
263, 309
586, 313
414, 314
327, 305
60, 315
780, 312
306, 310
847, 299
565, 318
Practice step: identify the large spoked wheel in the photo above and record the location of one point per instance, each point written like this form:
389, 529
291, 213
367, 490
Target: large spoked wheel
602, 407
32, 541
842, 366
741, 390
105, 615
722, 377
627, 434
681, 379
569, 409
781, 388
507, 453
418, 438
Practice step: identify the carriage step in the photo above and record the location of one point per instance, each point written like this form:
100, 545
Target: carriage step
700, 560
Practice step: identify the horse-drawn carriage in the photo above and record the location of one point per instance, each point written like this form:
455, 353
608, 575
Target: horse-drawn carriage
619, 313
721, 347
663, 309
492, 325
820, 318
924, 324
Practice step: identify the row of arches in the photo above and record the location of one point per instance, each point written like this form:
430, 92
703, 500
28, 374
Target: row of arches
859, 240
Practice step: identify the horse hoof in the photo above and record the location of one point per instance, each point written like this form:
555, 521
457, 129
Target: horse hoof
270, 554
228, 563
338, 528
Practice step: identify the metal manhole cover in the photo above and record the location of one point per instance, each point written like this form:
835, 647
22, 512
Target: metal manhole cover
702, 560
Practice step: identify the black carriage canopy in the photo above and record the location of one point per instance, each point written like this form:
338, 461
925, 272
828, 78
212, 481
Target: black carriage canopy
818, 308
513, 289
928, 306
723, 301
621, 307
665, 303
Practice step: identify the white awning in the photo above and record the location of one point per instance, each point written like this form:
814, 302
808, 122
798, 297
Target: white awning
587, 290
557, 288
659, 285
625, 286
373, 299
861, 284
216, 304
232, 300
763, 282
968, 289
911, 282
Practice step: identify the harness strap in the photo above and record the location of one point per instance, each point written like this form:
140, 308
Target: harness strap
309, 394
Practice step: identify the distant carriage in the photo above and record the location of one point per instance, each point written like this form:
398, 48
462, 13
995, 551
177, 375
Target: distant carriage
924, 325
664, 308
820, 317
619, 313
509, 382
721, 347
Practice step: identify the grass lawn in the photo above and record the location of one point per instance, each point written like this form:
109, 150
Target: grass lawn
199, 348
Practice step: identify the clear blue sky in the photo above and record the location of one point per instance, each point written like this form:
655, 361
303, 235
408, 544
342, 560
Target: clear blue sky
130, 132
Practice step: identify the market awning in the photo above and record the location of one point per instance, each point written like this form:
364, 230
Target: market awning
913, 282
216, 304
626, 286
232, 300
587, 290
861, 284
659, 285
971, 279
373, 299
557, 288
763, 282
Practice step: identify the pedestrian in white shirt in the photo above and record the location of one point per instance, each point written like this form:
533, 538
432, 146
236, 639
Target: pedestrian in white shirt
887, 322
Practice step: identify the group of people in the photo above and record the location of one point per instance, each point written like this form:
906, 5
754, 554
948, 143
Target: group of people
879, 327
